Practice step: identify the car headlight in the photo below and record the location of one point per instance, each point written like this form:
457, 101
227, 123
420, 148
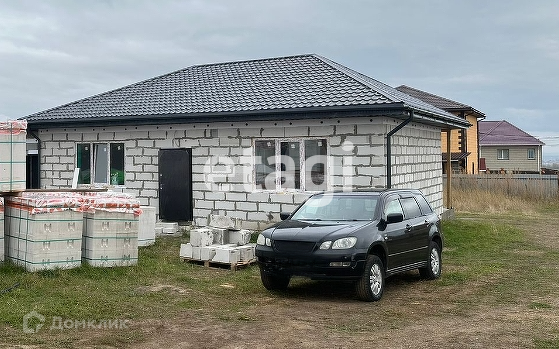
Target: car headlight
344, 243
339, 244
264, 241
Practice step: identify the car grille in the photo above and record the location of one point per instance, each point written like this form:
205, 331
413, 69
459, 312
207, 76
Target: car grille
293, 246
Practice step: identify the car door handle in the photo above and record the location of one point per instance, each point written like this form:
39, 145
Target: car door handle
408, 227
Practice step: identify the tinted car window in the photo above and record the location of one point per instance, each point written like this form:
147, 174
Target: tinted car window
424, 205
340, 207
393, 206
411, 209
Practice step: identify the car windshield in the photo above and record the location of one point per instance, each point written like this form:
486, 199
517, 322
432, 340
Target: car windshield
337, 208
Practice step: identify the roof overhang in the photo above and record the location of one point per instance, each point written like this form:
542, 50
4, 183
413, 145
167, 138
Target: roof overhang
397, 110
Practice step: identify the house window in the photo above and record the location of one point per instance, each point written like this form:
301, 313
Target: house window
531, 154
100, 163
298, 164
502, 154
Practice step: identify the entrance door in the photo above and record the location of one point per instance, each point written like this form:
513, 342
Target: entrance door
175, 185
32, 171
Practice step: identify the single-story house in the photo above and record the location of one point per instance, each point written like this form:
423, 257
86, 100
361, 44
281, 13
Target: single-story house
464, 155
244, 139
505, 148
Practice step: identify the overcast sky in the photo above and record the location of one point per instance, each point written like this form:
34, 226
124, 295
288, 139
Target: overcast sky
500, 57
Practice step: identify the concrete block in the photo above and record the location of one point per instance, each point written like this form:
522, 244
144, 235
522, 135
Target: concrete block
226, 254
247, 252
219, 221
201, 237
196, 252
239, 237
186, 250
168, 228
220, 236
207, 253
158, 231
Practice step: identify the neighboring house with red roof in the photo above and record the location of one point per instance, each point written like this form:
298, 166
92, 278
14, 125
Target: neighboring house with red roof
463, 142
246, 139
506, 148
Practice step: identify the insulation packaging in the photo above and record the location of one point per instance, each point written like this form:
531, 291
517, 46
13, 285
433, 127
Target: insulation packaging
43, 230
12, 155
110, 229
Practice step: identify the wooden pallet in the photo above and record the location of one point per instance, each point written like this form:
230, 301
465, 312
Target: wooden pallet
220, 265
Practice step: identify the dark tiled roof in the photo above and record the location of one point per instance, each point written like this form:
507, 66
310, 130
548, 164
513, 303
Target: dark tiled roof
438, 101
504, 133
285, 84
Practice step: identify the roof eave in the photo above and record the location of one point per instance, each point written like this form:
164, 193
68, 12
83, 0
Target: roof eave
395, 109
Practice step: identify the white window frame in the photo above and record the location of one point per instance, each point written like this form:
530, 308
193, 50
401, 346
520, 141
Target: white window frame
92, 164
501, 154
533, 153
302, 172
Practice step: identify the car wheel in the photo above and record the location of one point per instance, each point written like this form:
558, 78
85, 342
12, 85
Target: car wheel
273, 281
371, 284
434, 263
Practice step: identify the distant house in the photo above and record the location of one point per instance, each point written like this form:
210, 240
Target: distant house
464, 142
506, 148
245, 139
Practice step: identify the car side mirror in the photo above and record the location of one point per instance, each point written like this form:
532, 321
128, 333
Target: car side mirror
394, 218
284, 215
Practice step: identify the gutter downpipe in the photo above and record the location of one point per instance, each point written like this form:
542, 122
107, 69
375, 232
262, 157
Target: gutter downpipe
38, 155
389, 148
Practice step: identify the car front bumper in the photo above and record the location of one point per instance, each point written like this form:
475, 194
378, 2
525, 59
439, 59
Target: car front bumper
327, 264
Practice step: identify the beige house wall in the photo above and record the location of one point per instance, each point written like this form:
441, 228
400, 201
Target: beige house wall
518, 158
471, 144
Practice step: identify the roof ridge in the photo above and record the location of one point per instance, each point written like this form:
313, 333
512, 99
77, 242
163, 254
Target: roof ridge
355, 75
492, 129
434, 95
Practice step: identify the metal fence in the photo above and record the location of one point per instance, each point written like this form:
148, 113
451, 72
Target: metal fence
526, 185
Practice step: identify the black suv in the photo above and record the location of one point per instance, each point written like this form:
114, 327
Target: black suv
361, 236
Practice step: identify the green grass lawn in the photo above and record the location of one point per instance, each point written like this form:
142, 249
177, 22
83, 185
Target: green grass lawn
499, 263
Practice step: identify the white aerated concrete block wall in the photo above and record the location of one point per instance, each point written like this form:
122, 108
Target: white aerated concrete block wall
356, 160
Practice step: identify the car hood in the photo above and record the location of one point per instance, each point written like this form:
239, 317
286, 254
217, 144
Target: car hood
314, 231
